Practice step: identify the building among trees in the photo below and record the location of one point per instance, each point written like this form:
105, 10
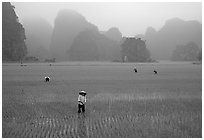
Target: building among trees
134, 50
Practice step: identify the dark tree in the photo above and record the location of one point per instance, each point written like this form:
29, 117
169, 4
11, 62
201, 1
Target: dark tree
13, 35
134, 50
188, 52
200, 55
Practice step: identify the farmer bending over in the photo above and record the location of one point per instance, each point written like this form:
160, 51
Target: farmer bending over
81, 101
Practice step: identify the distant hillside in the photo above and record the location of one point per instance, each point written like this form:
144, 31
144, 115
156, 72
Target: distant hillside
68, 24
113, 34
38, 34
13, 35
90, 45
188, 52
175, 32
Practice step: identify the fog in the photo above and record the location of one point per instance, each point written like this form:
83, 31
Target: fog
93, 31
130, 18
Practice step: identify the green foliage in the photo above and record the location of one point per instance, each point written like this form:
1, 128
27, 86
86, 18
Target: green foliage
135, 50
187, 52
13, 35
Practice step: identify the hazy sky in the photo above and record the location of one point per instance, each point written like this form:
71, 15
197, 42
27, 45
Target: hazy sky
131, 18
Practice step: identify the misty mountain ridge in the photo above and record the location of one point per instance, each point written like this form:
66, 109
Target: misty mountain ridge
90, 45
113, 34
38, 33
175, 32
71, 26
68, 24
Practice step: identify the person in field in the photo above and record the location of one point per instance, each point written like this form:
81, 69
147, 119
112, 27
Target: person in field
155, 72
135, 69
81, 101
47, 79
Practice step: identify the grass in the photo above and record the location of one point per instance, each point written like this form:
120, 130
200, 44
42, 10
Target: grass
120, 103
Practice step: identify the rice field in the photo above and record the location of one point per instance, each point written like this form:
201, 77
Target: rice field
120, 103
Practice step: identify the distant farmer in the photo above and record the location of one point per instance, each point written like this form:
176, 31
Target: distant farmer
47, 79
155, 72
135, 69
81, 101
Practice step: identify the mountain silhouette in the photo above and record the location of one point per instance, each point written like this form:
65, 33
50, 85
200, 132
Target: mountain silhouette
91, 45
68, 24
175, 32
38, 34
113, 34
